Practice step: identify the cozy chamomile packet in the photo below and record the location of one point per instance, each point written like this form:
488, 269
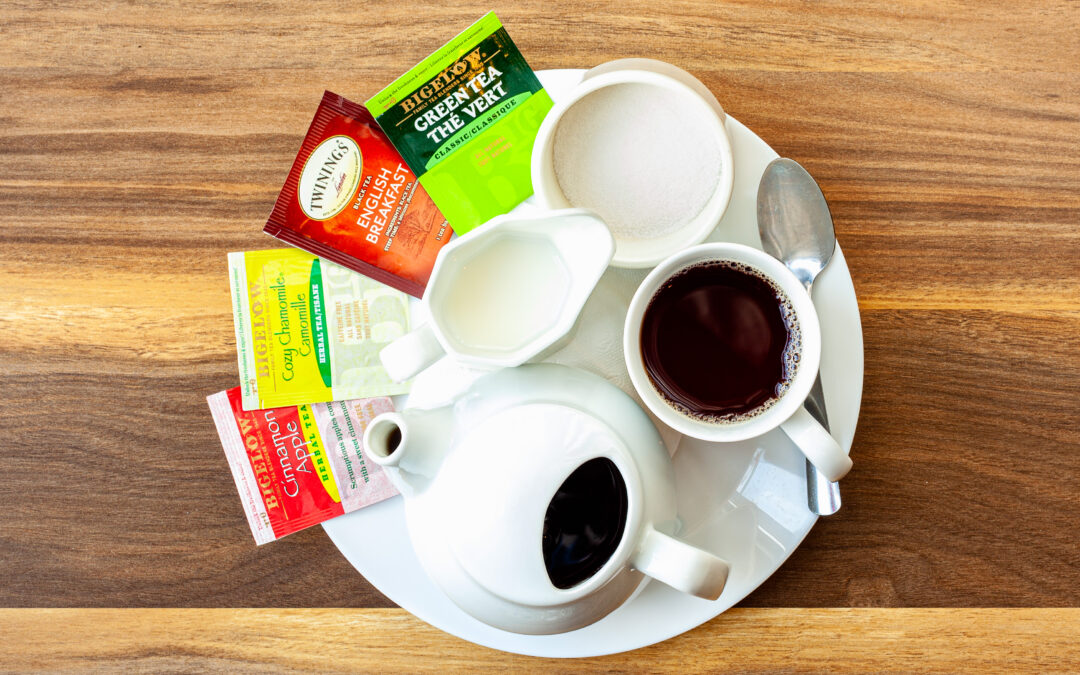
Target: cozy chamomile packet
310, 331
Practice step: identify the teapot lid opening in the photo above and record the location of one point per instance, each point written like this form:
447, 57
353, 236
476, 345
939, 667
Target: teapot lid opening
584, 522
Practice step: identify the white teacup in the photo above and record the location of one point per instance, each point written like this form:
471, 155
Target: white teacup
787, 411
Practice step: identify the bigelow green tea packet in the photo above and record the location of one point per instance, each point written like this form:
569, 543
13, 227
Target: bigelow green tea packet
310, 331
464, 119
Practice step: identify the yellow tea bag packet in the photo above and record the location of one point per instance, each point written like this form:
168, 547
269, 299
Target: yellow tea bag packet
310, 331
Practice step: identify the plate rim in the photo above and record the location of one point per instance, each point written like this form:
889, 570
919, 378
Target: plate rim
547, 646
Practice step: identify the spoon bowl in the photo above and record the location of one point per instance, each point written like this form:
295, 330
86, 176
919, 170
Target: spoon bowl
799, 228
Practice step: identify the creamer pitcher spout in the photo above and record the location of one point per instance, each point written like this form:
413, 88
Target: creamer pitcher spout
410, 445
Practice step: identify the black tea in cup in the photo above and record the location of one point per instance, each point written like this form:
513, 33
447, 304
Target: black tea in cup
720, 342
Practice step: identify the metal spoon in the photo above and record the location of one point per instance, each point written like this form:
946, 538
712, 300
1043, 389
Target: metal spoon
797, 229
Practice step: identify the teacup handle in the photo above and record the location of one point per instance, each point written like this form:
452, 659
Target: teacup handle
680, 565
817, 444
409, 354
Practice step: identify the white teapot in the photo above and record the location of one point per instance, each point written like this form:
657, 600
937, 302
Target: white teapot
539, 499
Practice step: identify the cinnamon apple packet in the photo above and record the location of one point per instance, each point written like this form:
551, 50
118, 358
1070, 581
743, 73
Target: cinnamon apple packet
350, 198
298, 466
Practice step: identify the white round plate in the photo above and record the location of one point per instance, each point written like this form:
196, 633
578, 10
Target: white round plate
744, 501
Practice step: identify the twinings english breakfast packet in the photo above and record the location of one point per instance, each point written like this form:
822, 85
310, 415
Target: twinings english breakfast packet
310, 331
351, 198
297, 466
465, 119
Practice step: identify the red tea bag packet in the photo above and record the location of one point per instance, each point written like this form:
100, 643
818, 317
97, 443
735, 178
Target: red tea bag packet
352, 199
299, 465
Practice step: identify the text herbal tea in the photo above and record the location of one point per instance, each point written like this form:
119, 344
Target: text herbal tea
465, 119
310, 331
350, 198
297, 466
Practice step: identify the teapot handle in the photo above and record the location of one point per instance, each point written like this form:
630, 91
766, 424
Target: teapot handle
680, 565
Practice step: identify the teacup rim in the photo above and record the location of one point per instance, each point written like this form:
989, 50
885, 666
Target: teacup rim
809, 327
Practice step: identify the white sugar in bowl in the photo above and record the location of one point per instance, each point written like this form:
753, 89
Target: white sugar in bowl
643, 144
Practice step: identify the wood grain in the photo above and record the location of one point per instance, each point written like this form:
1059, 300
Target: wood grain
140, 144
390, 640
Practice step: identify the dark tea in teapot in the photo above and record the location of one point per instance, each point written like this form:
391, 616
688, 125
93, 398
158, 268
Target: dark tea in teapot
584, 522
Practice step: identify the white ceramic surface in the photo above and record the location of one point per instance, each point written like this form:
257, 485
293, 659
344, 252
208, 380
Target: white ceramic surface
787, 412
744, 501
477, 477
640, 253
579, 248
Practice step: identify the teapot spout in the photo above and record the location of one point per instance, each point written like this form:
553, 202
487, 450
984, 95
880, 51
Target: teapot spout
410, 445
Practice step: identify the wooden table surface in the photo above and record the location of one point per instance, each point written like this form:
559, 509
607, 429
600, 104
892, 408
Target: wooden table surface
139, 144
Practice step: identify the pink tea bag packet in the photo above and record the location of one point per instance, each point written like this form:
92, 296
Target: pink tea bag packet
299, 465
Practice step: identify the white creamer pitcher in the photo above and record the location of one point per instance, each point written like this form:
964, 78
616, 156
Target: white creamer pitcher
540, 499
507, 292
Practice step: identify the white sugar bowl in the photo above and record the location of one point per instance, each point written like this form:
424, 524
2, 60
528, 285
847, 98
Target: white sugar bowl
656, 200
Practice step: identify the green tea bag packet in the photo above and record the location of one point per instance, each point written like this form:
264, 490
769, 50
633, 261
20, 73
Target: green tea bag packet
310, 331
464, 119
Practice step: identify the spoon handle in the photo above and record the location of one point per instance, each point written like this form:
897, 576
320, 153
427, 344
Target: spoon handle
822, 496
